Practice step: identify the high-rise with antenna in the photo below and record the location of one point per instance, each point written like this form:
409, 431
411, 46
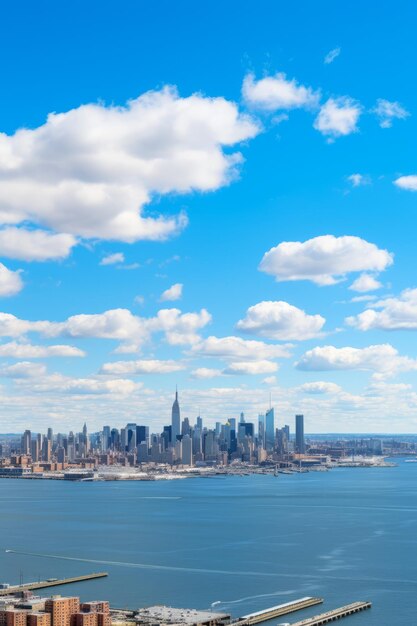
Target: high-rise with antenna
175, 418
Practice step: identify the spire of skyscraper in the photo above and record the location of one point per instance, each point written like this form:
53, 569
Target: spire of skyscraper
175, 418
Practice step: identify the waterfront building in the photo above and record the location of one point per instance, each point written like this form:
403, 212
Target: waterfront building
299, 434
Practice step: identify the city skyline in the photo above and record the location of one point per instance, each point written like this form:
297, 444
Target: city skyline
239, 233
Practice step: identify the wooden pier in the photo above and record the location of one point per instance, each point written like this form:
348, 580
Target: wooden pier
278, 611
51, 582
332, 616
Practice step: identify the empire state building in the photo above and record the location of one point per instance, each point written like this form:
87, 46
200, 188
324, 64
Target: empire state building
175, 420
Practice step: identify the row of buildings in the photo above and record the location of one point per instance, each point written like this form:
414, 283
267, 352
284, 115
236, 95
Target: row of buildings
55, 611
180, 443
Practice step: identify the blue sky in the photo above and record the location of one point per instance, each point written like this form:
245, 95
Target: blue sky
184, 142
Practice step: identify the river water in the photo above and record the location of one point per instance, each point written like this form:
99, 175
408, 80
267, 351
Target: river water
238, 544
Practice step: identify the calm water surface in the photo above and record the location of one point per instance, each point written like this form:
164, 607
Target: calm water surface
244, 543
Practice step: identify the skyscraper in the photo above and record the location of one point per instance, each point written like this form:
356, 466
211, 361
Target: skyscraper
299, 434
175, 419
270, 429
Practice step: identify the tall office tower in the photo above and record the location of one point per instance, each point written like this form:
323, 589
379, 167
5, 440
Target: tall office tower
39, 437
218, 429
86, 440
115, 439
143, 452
71, 447
46, 450
106, 441
142, 435
175, 420
199, 424
50, 434
270, 429
299, 434
242, 418
232, 422
187, 450
261, 430
26, 442
131, 437
282, 441
34, 450
60, 455
166, 437
185, 427
123, 439
155, 449
197, 442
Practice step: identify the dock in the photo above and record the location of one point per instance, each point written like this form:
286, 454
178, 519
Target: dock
51, 582
278, 611
332, 616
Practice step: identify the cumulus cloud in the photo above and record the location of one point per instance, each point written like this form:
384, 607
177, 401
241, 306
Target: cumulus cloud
409, 183
250, 368
173, 293
91, 171
34, 245
365, 282
201, 373
389, 314
331, 56
338, 117
10, 282
30, 351
387, 111
57, 383
277, 92
324, 260
320, 387
25, 369
179, 328
112, 259
238, 348
270, 380
280, 320
135, 368
383, 359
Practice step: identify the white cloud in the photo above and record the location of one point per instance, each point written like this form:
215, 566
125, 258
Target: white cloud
25, 369
331, 56
358, 180
135, 368
389, 314
34, 245
173, 293
277, 92
280, 320
365, 282
320, 387
382, 359
270, 380
205, 373
387, 111
10, 282
179, 328
407, 182
238, 348
30, 351
91, 171
251, 368
338, 117
57, 383
112, 259
324, 260
363, 299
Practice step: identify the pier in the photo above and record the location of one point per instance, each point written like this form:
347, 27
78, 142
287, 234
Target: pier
278, 611
332, 616
50, 582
